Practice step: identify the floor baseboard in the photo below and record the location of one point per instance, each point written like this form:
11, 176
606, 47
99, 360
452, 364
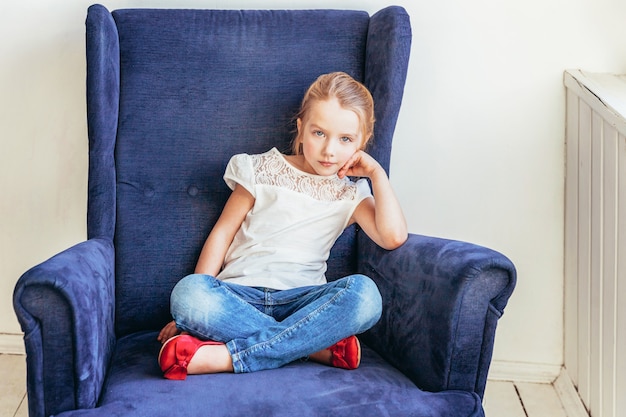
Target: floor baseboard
570, 399
12, 344
538, 373
556, 375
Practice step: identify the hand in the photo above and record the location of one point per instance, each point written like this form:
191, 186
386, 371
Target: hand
380, 216
360, 164
170, 330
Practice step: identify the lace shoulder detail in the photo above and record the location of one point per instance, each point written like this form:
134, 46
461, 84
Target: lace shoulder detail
272, 169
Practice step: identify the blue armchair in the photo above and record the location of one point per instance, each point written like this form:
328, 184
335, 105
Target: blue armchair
171, 96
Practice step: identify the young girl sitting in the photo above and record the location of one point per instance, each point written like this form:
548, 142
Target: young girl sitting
259, 297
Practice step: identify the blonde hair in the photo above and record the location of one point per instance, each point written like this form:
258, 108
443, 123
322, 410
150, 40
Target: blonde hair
351, 94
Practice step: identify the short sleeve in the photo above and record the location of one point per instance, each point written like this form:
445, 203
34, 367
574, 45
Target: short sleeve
362, 190
240, 171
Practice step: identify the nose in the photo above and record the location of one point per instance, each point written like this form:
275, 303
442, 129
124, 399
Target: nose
328, 149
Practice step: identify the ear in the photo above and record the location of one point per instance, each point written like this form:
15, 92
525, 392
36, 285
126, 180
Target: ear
299, 134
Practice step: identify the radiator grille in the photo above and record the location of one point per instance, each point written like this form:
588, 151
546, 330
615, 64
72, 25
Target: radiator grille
595, 240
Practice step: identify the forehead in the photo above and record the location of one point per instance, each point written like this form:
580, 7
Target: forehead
330, 115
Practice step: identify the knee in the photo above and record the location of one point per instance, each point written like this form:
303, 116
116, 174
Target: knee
369, 306
187, 286
188, 292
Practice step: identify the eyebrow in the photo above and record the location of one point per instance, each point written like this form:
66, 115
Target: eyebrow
316, 126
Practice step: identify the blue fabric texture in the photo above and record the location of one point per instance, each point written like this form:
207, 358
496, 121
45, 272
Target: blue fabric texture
196, 88
441, 302
135, 387
171, 96
65, 307
103, 91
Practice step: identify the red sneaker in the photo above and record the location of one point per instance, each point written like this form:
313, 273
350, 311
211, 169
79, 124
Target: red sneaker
346, 353
176, 353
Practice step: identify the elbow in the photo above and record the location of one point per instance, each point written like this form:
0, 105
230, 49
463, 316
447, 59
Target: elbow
394, 242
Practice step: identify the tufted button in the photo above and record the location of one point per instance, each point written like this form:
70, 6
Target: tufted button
192, 191
148, 192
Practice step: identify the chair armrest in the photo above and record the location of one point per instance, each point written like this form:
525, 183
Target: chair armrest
65, 307
441, 303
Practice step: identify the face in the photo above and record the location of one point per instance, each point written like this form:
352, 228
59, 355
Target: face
330, 135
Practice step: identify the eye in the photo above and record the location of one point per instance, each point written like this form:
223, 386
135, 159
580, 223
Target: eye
318, 133
346, 139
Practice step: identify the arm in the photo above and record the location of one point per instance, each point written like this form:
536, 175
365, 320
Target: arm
380, 217
214, 250
441, 303
215, 247
65, 307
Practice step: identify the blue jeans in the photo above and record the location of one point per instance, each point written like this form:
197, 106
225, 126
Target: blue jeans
265, 328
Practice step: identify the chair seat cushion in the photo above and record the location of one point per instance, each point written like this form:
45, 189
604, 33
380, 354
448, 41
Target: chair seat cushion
135, 387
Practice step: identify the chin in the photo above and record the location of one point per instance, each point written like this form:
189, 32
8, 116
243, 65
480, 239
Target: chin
326, 172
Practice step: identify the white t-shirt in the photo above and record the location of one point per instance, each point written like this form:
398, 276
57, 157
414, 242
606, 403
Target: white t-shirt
286, 237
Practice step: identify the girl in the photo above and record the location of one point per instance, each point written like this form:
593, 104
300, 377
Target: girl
259, 298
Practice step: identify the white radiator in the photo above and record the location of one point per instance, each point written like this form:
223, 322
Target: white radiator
595, 240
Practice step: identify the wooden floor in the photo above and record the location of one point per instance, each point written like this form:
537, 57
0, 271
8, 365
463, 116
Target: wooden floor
13, 386
522, 399
502, 399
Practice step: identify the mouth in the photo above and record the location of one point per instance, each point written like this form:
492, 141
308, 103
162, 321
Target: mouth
326, 164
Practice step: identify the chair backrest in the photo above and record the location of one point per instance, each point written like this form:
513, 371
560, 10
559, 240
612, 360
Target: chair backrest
173, 94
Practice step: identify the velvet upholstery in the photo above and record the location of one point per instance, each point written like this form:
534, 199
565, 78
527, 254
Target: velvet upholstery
171, 96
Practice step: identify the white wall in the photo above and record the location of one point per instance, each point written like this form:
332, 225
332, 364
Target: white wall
478, 156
